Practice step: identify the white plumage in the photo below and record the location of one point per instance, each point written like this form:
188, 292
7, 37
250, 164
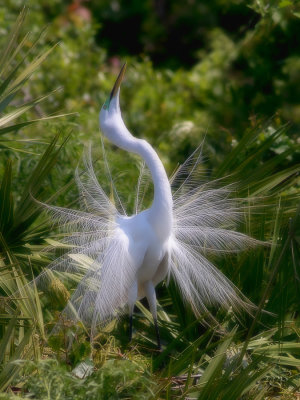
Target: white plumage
132, 254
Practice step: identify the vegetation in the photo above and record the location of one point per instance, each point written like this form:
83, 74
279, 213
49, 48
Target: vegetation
239, 92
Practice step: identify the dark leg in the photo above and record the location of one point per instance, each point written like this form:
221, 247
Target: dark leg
132, 295
157, 334
151, 297
130, 327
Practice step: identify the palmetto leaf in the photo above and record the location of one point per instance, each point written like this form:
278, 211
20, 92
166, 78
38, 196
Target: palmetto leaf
22, 312
16, 221
19, 111
11, 42
6, 199
15, 70
16, 127
8, 345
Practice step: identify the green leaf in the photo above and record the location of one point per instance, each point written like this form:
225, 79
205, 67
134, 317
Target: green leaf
213, 371
7, 337
6, 199
11, 41
21, 110
28, 71
285, 3
16, 127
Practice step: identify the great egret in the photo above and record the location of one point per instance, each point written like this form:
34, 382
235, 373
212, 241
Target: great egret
132, 254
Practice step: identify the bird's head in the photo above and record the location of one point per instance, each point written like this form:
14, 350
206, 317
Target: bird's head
110, 119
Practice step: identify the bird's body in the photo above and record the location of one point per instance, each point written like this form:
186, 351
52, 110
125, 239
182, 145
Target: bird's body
132, 254
146, 247
149, 253
148, 233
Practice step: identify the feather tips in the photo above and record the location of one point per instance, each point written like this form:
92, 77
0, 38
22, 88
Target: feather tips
204, 217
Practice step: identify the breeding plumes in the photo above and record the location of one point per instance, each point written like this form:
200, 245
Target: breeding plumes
132, 254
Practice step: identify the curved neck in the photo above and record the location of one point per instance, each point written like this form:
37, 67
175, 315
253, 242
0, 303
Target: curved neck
162, 202
161, 209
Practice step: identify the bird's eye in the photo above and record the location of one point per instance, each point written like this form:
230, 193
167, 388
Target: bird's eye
106, 105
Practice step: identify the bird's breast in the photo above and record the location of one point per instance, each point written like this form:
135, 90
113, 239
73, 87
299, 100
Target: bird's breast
146, 246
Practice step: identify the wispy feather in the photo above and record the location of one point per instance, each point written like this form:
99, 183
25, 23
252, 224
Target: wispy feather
204, 218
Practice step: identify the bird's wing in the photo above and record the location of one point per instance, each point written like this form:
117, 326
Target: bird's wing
188, 174
201, 283
104, 281
92, 195
144, 181
205, 216
84, 232
103, 292
113, 258
203, 223
205, 213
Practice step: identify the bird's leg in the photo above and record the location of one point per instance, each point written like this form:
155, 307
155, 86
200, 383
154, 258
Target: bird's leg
157, 334
130, 326
151, 297
132, 296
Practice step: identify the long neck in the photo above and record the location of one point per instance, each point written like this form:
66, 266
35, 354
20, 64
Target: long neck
161, 209
162, 202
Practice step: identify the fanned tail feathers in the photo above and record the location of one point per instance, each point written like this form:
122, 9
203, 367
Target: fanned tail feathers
204, 219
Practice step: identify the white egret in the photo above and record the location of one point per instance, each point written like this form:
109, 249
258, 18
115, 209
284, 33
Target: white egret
132, 254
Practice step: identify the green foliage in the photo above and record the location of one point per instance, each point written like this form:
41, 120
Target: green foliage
21, 311
234, 78
237, 82
15, 71
116, 379
240, 56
